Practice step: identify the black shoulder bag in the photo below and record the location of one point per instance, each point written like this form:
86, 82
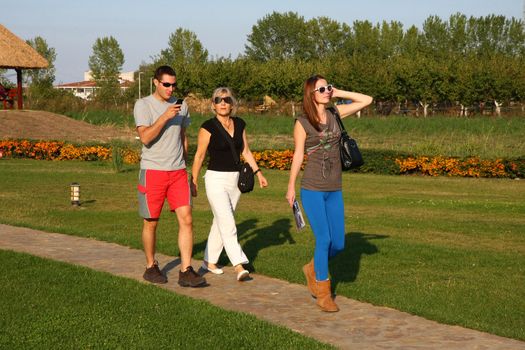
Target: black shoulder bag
246, 181
351, 157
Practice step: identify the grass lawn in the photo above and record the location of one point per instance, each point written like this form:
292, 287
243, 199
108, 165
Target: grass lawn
485, 137
448, 249
53, 305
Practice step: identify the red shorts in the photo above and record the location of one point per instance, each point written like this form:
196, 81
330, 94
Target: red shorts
157, 185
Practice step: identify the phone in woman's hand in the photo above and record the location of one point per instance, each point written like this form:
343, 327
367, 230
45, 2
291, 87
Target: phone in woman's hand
298, 215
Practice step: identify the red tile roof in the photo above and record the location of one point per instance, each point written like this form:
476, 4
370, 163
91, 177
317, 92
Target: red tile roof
79, 84
90, 84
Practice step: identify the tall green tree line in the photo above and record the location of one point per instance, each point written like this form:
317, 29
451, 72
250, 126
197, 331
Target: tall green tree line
463, 61
460, 61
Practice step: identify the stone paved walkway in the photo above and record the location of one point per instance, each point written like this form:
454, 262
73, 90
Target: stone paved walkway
357, 326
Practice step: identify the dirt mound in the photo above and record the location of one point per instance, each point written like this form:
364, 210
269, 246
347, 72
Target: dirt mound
40, 125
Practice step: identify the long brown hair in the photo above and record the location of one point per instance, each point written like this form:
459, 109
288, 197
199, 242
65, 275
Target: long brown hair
309, 105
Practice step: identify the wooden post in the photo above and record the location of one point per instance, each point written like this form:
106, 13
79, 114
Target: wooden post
19, 88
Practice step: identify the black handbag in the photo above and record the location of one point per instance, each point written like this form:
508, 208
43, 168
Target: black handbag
246, 176
351, 157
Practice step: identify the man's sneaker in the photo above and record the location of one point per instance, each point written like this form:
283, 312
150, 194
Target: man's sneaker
190, 278
153, 274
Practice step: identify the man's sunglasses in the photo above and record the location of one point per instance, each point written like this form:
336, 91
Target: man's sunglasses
322, 89
226, 99
167, 85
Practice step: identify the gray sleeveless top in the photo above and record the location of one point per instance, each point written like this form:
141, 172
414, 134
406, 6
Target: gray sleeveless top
323, 167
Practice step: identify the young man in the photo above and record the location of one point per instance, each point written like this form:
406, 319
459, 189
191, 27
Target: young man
161, 125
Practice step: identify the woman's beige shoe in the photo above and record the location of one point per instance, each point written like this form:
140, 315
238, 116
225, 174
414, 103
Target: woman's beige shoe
309, 273
324, 297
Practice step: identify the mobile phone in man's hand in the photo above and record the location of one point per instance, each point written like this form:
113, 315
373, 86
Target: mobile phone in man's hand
179, 101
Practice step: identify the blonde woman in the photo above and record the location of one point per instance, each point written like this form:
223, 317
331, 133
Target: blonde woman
221, 179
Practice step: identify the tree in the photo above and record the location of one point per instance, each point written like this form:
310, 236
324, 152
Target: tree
284, 79
42, 77
3, 80
461, 87
421, 80
183, 48
241, 75
365, 40
328, 36
410, 43
186, 54
106, 63
459, 33
516, 38
435, 38
40, 81
280, 36
493, 35
391, 38
497, 80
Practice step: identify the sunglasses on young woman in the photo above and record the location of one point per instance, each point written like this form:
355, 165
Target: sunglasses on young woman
322, 89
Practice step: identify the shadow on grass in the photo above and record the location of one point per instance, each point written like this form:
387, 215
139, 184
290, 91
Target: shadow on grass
256, 240
245, 226
127, 170
345, 266
276, 234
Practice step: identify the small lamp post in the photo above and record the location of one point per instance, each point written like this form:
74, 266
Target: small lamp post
75, 194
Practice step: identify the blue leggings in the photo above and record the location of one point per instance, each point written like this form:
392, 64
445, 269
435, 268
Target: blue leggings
325, 212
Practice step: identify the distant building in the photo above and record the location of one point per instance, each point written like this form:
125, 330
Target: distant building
85, 89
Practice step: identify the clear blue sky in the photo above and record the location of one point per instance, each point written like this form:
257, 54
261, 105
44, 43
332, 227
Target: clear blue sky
142, 27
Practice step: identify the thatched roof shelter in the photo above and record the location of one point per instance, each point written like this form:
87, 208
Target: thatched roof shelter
16, 54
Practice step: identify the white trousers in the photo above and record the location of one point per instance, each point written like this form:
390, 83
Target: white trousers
223, 195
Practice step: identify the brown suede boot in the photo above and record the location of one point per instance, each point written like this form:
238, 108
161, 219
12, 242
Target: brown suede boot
309, 273
324, 297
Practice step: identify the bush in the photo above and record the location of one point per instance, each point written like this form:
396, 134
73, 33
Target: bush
116, 158
54, 100
379, 162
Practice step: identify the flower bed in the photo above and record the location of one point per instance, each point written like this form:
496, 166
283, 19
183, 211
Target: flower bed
469, 167
57, 150
376, 161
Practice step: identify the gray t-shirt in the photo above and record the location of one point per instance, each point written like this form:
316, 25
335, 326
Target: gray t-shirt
323, 167
166, 151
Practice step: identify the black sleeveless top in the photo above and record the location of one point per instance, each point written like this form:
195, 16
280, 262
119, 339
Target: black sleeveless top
219, 151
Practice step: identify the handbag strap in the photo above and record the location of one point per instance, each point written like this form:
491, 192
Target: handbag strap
229, 140
338, 118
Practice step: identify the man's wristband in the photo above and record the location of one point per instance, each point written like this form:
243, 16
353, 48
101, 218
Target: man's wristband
256, 171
